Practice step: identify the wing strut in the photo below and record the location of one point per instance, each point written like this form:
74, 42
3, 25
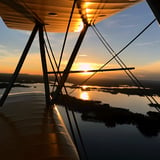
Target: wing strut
38, 27
19, 65
70, 62
155, 7
44, 65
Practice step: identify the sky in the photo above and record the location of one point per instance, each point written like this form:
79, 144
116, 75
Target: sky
118, 30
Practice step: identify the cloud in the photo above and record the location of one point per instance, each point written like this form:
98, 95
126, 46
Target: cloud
128, 26
82, 55
3, 51
149, 43
2, 46
120, 20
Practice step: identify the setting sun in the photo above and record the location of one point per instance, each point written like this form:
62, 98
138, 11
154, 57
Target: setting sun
84, 67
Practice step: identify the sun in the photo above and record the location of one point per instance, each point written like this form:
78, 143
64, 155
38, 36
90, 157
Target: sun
84, 67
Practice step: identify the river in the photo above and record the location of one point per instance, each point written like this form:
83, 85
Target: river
109, 138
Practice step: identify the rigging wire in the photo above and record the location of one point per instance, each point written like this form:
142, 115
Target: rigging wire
52, 54
58, 67
115, 56
50, 48
66, 106
77, 127
98, 10
66, 33
128, 44
50, 60
121, 63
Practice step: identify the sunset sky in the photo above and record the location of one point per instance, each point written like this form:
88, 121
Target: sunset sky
143, 54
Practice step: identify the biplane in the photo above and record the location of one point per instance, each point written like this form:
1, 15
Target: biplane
60, 16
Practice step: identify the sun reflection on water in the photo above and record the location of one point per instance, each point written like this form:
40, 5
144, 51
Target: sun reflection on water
84, 95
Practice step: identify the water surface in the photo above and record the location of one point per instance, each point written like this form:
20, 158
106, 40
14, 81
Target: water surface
121, 141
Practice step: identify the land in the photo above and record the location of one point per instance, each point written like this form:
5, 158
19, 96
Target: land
148, 124
4, 85
22, 78
96, 111
113, 86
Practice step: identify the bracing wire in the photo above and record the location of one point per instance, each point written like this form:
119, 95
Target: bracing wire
77, 127
121, 63
110, 50
54, 59
128, 44
50, 48
58, 66
115, 56
66, 107
50, 60
98, 10
66, 33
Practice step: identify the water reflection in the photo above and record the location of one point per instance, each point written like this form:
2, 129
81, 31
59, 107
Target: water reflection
84, 96
95, 111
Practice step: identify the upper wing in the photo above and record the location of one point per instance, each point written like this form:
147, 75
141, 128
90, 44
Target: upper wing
23, 14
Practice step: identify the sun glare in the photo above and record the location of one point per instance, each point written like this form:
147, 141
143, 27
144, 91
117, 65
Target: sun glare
84, 96
80, 27
85, 67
